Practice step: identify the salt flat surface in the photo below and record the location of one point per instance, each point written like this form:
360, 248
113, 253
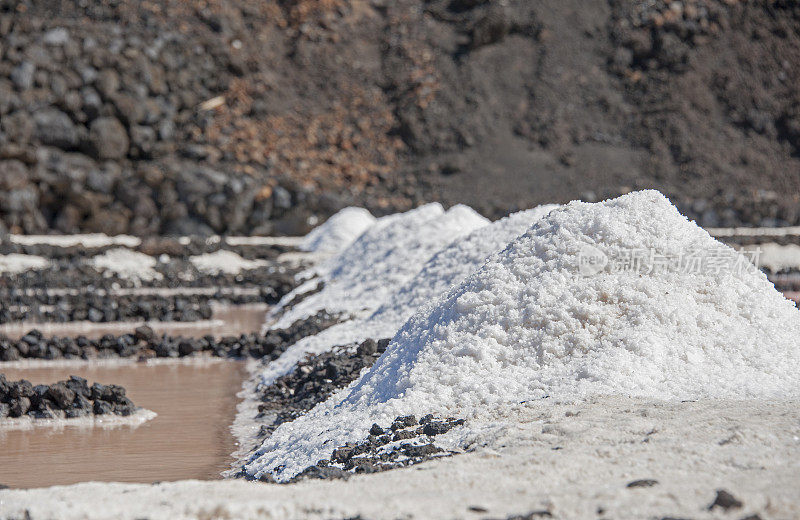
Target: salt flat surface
339, 231
16, 263
531, 323
128, 264
570, 459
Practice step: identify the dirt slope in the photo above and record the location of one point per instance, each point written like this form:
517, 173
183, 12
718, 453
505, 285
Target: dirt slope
233, 117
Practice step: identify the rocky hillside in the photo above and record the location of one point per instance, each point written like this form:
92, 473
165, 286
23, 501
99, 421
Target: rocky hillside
174, 116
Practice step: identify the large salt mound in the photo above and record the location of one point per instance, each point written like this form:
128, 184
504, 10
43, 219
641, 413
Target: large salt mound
529, 324
339, 231
383, 258
445, 269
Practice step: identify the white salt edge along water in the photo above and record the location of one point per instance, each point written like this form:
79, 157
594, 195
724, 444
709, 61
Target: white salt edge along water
16, 263
529, 324
446, 268
383, 258
224, 261
339, 231
127, 263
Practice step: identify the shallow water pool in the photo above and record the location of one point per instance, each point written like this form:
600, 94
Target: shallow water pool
189, 439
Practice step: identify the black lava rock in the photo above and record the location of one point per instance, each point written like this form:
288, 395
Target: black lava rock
725, 501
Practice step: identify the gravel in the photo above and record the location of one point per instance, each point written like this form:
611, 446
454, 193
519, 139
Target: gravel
143, 343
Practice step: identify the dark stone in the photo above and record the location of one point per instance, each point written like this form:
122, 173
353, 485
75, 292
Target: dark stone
95, 315
61, 395
404, 422
55, 128
19, 406
30, 339
403, 435
726, 501
74, 413
22, 75
376, 430
98, 391
144, 333
108, 138
324, 473
419, 451
186, 348
367, 348
81, 403
432, 428
79, 385
102, 407
642, 483
21, 388
124, 406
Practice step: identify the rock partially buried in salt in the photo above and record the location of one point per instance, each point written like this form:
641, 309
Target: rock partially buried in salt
533, 322
339, 231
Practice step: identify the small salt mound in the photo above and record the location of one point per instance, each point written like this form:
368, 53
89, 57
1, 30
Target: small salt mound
127, 264
224, 261
446, 268
538, 319
15, 263
339, 231
383, 258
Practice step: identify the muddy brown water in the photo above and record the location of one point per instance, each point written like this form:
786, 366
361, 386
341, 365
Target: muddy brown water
188, 439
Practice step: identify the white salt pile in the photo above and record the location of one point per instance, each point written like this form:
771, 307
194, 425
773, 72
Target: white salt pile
445, 269
224, 261
15, 263
383, 258
339, 231
128, 264
539, 319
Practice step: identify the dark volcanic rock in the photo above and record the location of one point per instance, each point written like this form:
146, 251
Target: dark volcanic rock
71, 398
55, 128
725, 501
108, 138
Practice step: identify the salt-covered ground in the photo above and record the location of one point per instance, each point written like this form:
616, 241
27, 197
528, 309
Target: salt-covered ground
587, 392
573, 460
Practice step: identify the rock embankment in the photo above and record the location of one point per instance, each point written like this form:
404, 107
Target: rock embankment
145, 344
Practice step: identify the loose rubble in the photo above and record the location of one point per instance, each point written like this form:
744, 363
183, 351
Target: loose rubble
144, 344
68, 399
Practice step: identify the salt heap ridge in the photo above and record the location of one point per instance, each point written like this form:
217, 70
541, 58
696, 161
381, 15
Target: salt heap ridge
445, 269
529, 324
339, 231
384, 257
